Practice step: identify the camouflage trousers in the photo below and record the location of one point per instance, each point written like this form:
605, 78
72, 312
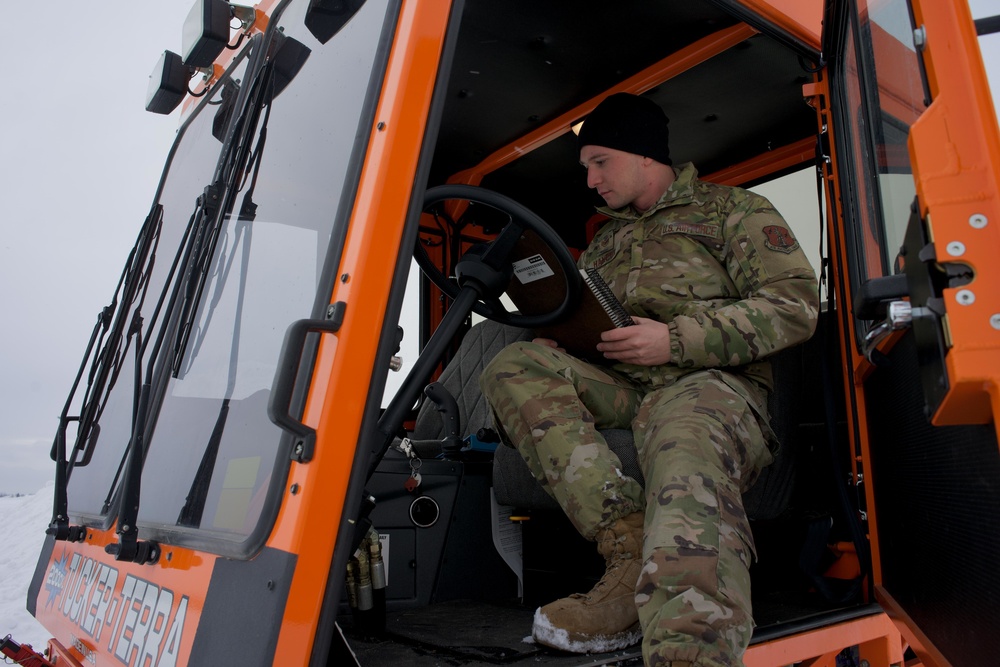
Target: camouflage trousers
699, 446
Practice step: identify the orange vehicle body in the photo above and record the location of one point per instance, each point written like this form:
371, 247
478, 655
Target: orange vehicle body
100, 611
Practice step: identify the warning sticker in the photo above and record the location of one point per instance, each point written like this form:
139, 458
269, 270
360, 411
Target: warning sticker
531, 269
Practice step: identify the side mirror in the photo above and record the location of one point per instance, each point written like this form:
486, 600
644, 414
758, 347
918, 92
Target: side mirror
288, 55
325, 18
167, 84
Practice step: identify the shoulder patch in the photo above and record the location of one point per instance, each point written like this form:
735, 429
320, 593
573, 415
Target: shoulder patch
780, 239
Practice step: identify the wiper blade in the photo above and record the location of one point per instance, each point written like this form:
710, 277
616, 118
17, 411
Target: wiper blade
240, 159
129, 548
108, 338
198, 250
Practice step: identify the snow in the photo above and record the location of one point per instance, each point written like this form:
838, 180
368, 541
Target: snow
23, 521
544, 632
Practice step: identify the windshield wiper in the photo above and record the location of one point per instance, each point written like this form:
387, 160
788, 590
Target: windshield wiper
180, 258
194, 505
234, 167
108, 338
198, 250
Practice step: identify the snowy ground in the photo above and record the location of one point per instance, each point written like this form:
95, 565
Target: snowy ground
22, 526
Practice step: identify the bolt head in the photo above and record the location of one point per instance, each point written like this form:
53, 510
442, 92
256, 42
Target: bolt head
978, 220
965, 297
956, 248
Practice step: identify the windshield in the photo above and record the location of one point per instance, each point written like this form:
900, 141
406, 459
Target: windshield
193, 162
214, 455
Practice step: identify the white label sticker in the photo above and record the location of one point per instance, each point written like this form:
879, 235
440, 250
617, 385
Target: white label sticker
531, 269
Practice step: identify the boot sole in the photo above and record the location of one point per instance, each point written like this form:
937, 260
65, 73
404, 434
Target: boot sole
543, 632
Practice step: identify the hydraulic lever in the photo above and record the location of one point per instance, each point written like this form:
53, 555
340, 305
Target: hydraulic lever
446, 405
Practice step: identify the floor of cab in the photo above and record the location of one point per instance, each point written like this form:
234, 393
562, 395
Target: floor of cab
464, 633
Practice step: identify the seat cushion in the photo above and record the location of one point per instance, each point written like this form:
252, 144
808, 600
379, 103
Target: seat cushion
514, 484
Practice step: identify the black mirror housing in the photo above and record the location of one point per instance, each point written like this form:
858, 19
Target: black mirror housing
325, 18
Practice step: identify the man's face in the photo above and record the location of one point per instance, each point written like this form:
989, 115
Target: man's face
616, 175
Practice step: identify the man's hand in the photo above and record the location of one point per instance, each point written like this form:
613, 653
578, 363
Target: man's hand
647, 343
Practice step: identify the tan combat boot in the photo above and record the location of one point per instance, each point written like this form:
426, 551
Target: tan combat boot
605, 619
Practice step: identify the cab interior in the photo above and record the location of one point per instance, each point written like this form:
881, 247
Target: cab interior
512, 85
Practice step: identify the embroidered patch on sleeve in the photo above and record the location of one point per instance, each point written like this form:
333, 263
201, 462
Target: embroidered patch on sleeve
780, 239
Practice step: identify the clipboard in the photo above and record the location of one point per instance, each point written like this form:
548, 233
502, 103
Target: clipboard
538, 287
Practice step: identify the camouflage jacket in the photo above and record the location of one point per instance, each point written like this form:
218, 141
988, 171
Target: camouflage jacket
720, 266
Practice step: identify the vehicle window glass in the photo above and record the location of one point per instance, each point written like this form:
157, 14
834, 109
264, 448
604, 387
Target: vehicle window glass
409, 347
214, 455
989, 45
190, 170
889, 53
882, 96
854, 156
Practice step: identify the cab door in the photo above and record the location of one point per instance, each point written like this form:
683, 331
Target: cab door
915, 181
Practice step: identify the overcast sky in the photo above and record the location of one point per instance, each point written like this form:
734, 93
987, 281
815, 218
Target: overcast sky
79, 161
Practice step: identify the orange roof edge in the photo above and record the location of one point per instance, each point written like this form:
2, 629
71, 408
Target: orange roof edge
801, 18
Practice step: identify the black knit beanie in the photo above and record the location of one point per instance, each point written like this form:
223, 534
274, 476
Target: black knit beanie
628, 123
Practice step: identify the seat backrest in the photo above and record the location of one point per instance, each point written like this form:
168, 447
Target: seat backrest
512, 481
461, 378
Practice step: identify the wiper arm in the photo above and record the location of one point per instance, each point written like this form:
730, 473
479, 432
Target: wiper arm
59, 525
236, 164
194, 505
199, 250
128, 547
103, 374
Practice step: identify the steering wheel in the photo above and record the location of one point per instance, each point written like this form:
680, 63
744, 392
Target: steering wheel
490, 271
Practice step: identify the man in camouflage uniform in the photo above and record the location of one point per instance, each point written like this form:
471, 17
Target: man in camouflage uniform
715, 282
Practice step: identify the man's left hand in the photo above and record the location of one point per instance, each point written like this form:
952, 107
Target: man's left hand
647, 343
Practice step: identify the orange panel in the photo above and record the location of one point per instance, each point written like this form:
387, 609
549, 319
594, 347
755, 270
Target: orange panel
856, 413
955, 151
876, 636
916, 639
106, 610
307, 523
801, 18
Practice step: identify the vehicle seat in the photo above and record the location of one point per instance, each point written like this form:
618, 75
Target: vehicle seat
513, 483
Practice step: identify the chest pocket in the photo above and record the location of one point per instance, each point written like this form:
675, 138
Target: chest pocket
685, 260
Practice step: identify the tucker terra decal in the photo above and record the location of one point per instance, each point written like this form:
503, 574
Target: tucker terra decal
138, 622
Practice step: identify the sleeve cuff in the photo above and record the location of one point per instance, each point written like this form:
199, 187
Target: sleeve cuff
676, 350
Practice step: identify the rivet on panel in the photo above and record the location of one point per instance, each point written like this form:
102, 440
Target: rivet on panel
965, 297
